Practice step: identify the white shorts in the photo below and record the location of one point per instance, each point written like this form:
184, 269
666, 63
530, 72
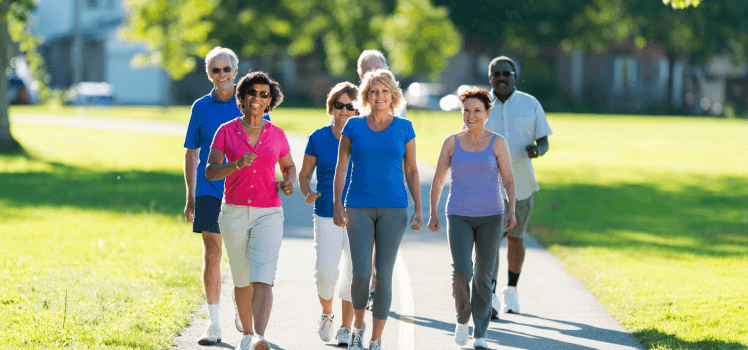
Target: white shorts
330, 244
252, 237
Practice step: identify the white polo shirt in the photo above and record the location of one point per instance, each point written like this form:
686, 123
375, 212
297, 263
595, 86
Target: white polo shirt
521, 120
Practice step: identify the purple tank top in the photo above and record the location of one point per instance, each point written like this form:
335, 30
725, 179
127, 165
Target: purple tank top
475, 189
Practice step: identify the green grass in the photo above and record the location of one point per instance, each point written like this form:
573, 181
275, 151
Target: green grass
650, 213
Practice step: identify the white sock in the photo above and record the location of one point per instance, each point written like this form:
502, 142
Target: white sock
215, 320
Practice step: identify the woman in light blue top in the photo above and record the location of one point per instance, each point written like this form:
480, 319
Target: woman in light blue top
479, 159
382, 149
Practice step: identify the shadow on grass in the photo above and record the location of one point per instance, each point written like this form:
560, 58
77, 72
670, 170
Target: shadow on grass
695, 219
671, 341
117, 191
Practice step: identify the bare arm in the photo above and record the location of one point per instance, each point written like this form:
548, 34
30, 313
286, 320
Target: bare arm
535, 151
288, 169
504, 162
344, 153
216, 169
305, 175
191, 159
414, 183
440, 177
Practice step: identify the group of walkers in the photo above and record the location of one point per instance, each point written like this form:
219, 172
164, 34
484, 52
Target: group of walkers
360, 201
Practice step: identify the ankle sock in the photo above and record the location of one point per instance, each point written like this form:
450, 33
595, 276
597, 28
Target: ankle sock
513, 278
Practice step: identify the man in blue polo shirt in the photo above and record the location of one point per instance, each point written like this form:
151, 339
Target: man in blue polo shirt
203, 196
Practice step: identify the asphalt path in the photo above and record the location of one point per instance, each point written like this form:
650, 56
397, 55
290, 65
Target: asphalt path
558, 312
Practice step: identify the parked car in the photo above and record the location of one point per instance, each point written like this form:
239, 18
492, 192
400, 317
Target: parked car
451, 102
424, 95
92, 94
22, 88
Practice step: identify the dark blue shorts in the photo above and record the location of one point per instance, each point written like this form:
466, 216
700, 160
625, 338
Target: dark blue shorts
207, 209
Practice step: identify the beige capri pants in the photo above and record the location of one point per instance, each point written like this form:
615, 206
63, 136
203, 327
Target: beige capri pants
252, 237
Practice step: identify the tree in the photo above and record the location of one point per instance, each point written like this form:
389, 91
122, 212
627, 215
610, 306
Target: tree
681, 4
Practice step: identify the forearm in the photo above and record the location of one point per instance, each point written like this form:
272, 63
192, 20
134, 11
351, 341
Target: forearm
435, 195
415, 188
289, 174
190, 175
304, 185
511, 195
215, 172
543, 146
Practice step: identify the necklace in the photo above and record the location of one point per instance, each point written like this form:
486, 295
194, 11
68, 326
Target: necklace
252, 126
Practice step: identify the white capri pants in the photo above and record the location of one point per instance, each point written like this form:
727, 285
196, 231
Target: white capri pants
330, 244
252, 237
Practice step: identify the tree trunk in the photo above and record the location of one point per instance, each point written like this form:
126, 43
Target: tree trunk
7, 143
670, 84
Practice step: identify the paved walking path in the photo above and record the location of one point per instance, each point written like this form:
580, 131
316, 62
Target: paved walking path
557, 310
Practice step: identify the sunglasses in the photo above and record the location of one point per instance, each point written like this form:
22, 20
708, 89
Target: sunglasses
340, 105
507, 74
218, 70
261, 94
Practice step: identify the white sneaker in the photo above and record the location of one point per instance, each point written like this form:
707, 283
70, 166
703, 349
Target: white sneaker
461, 334
211, 336
495, 306
325, 328
237, 320
246, 341
343, 336
373, 345
357, 339
511, 300
480, 343
258, 343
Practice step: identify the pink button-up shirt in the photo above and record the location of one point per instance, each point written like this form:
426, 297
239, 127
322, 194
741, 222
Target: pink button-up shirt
254, 185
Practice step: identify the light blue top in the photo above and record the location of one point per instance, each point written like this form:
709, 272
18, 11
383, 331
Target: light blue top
206, 115
324, 146
475, 189
377, 163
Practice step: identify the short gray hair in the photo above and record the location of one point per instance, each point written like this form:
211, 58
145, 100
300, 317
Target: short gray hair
371, 53
221, 51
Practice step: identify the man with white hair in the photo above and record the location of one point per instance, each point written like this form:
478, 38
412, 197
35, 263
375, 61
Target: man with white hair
203, 196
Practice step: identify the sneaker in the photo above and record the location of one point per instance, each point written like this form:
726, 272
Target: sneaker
495, 306
325, 328
246, 341
480, 343
370, 302
258, 343
461, 334
357, 339
374, 345
511, 302
211, 336
237, 320
343, 336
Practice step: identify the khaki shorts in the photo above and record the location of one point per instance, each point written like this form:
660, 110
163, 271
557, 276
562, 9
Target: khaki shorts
523, 211
252, 237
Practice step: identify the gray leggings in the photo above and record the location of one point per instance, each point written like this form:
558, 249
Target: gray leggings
464, 232
383, 229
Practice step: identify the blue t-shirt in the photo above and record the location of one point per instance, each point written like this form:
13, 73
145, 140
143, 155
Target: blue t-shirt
324, 146
377, 157
207, 114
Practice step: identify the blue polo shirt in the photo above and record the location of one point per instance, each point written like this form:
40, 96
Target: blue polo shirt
377, 157
323, 145
206, 115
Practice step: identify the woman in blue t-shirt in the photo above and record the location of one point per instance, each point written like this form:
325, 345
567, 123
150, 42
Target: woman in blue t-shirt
330, 240
378, 145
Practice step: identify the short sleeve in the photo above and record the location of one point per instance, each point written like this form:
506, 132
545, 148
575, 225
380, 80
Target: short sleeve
285, 146
348, 128
310, 146
192, 140
219, 140
410, 133
542, 129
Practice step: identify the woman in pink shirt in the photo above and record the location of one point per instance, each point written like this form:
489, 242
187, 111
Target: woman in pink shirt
251, 219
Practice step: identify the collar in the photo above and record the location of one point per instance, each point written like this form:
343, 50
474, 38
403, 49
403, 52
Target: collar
214, 99
494, 99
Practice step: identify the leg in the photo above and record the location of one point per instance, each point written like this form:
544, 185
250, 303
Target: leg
262, 303
212, 253
345, 284
243, 297
516, 237
487, 238
328, 246
460, 237
361, 237
235, 231
390, 228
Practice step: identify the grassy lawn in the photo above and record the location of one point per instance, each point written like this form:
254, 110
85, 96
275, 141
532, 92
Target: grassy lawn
650, 213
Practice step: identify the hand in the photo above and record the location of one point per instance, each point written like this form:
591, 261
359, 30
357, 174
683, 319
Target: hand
416, 221
532, 151
311, 197
509, 221
189, 211
339, 216
246, 159
286, 186
433, 223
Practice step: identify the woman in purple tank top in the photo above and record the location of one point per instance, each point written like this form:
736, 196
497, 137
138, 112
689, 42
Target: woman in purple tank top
476, 216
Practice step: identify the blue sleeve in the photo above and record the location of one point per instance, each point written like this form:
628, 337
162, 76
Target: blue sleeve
310, 146
348, 128
266, 117
192, 140
410, 133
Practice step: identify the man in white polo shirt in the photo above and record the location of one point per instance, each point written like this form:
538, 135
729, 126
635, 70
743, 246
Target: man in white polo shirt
520, 118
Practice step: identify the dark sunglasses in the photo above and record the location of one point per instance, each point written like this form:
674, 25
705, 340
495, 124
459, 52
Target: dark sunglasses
340, 105
507, 74
261, 94
218, 70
